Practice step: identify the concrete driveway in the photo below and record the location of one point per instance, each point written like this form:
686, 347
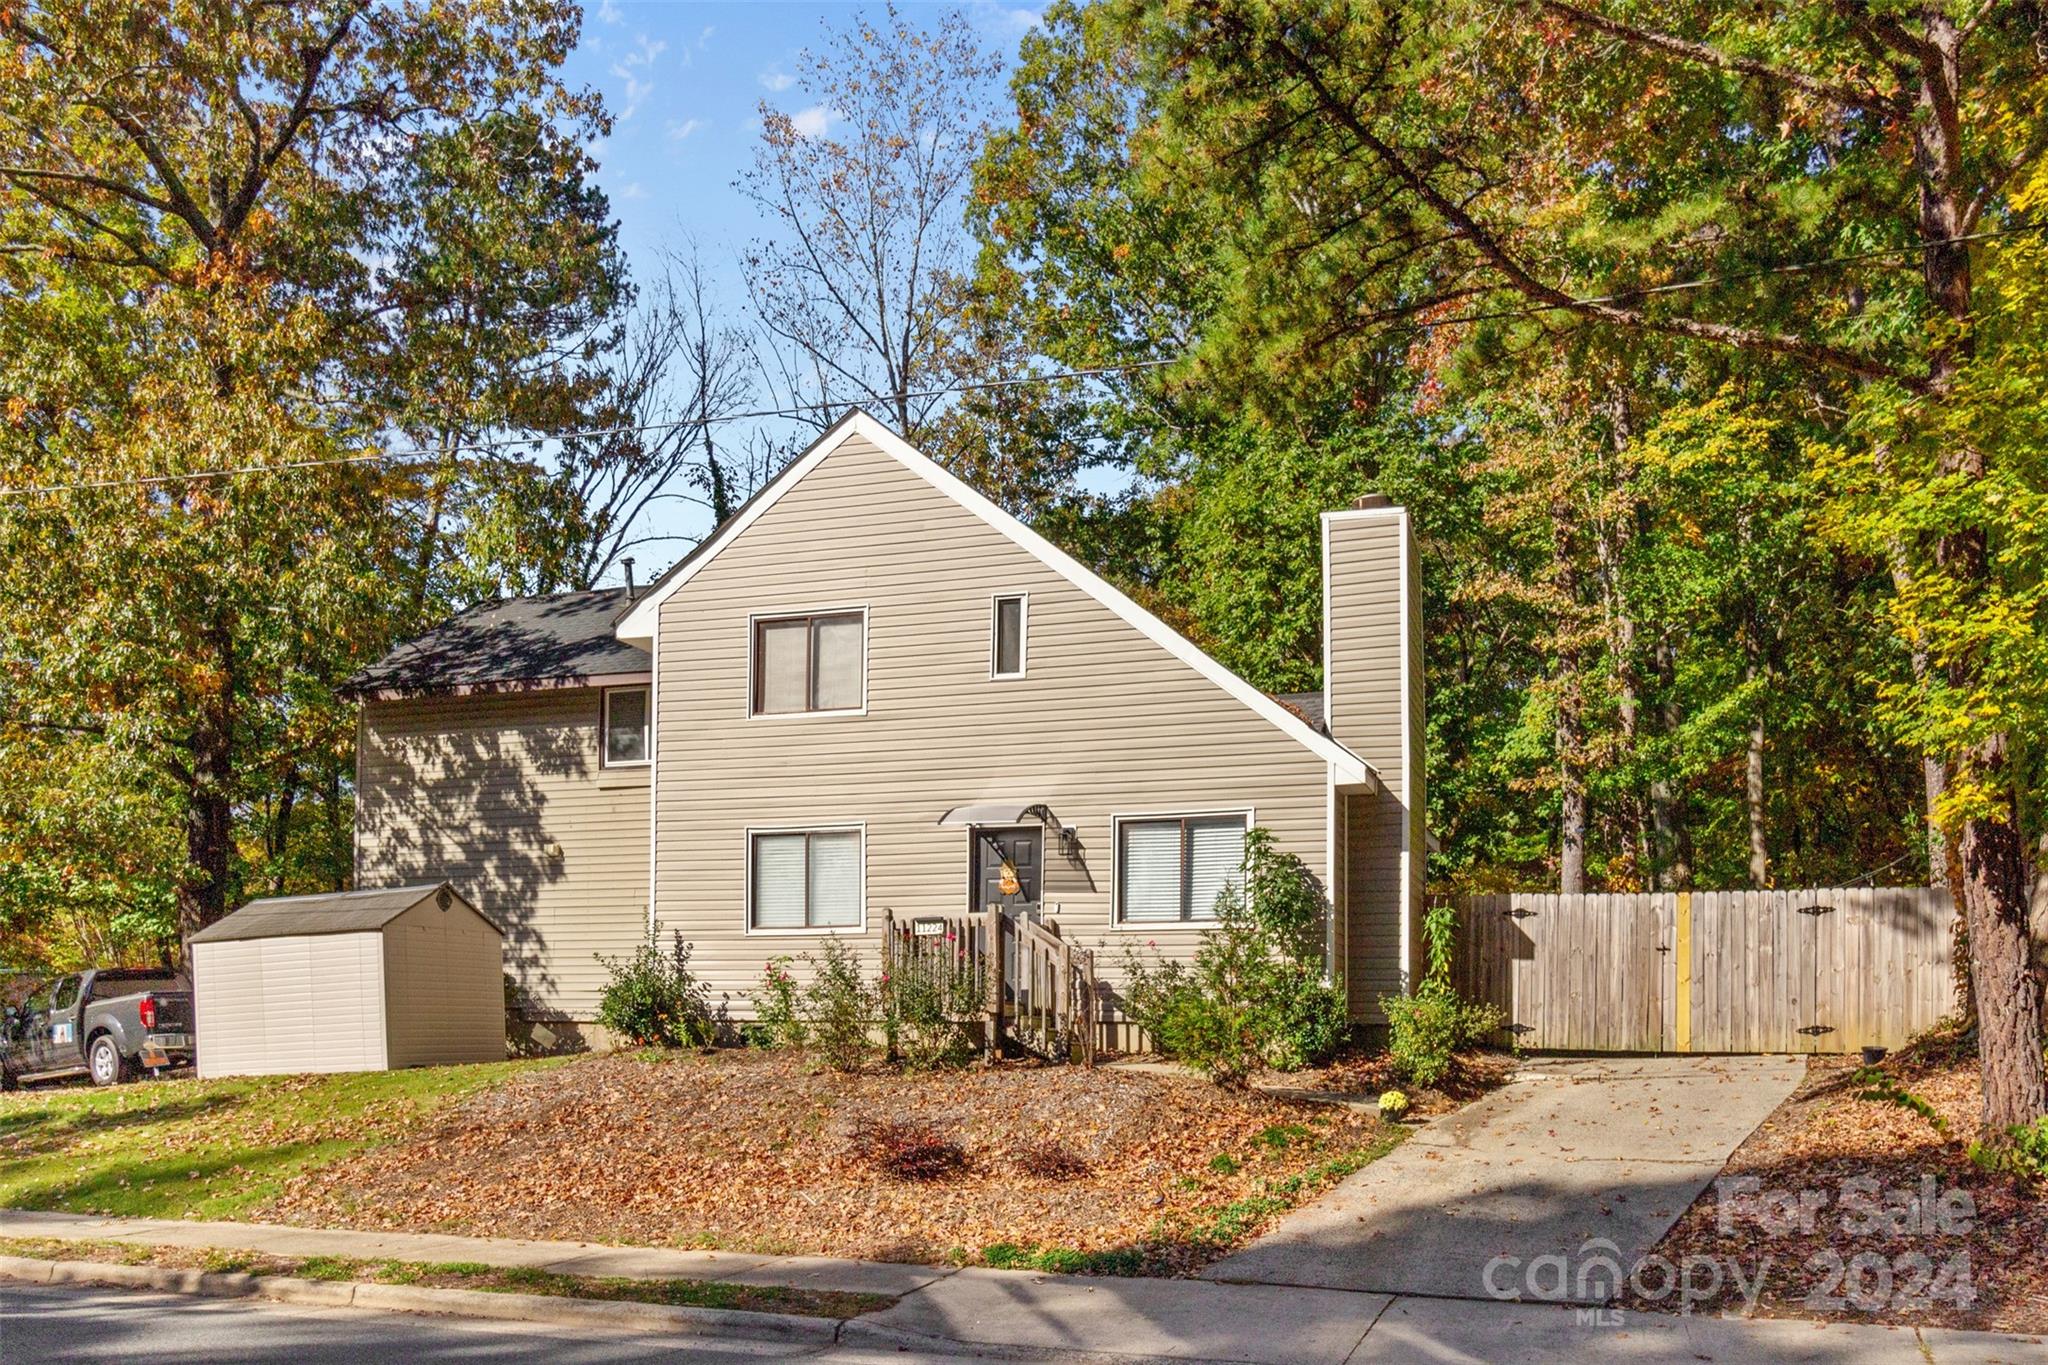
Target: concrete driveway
1571, 1152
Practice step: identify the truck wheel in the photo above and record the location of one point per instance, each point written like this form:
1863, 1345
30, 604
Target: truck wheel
106, 1063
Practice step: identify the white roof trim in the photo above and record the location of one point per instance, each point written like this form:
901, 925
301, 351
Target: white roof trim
637, 625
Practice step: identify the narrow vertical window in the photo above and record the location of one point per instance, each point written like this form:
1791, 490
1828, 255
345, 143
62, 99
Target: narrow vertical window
1006, 644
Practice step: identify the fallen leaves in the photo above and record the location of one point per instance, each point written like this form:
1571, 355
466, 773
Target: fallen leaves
752, 1151
1827, 1134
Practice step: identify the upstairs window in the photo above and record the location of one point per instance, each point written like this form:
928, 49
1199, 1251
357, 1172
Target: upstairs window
1171, 869
810, 664
625, 727
1006, 637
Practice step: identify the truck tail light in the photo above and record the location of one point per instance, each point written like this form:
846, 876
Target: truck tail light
147, 1009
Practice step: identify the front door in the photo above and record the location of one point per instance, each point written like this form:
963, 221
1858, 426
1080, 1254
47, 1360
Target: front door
1007, 863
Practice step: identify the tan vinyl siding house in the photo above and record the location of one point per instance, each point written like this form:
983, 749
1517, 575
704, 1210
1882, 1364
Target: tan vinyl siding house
504, 795
1103, 723
861, 685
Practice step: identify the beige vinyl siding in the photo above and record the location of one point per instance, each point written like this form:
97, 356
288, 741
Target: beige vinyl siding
1365, 707
473, 790
444, 988
1105, 723
283, 1006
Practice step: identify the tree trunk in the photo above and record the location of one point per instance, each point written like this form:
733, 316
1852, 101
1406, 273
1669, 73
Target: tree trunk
1991, 862
721, 491
209, 821
1667, 815
1753, 764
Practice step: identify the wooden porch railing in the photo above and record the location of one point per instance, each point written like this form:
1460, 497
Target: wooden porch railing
1038, 988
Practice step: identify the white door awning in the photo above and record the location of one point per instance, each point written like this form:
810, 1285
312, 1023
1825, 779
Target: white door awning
997, 813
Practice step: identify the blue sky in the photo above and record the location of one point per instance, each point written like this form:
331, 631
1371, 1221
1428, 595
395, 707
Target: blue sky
684, 82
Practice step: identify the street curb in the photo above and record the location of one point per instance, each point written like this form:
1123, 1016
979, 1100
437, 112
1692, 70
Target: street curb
855, 1332
462, 1303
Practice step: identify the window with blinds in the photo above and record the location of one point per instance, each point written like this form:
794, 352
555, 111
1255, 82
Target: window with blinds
1171, 869
805, 879
810, 663
1006, 638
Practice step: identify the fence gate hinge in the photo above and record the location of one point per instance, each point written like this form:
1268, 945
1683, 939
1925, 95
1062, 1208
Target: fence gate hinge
1519, 1029
1816, 1030
1519, 914
1816, 910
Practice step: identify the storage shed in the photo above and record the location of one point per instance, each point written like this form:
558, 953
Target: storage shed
349, 981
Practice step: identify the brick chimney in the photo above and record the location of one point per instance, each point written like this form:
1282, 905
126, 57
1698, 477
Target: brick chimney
1372, 703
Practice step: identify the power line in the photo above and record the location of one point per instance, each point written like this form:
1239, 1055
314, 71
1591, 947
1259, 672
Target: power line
1414, 318
480, 447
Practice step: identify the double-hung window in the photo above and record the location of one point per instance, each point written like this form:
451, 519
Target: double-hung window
625, 727
810, 663
1171, 869
805, 879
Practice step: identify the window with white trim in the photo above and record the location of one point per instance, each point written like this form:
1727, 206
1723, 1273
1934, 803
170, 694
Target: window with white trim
1172, 869
625, 727
805, 879
1006, 637
810, 663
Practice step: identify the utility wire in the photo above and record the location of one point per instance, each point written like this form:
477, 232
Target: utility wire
1417, 318
507, 443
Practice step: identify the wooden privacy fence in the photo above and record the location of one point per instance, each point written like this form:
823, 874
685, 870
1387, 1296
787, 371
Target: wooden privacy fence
1042, 989
1825, 970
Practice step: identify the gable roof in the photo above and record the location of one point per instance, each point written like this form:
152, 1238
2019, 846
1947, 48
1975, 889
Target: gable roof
636, 623
332, 912
561, 639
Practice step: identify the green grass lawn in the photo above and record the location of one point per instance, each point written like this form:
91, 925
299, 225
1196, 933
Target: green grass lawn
209, 1149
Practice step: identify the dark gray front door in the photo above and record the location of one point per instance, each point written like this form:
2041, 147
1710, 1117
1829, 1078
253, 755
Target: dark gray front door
1007, 863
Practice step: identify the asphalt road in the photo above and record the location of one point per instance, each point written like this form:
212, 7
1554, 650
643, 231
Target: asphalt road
40, 1323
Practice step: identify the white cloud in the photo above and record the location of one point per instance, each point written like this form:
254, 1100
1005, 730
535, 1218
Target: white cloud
704, 38
636, 69
1005, 21
815, 121
776, 79
679, 129
609, 13
632, 189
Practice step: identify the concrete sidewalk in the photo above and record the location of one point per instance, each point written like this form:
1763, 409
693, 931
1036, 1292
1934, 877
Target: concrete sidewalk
1020, 1313
1578, 1158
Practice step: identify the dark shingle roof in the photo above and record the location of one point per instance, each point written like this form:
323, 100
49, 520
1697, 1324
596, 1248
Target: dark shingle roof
1307, 705
561, 638
333, 912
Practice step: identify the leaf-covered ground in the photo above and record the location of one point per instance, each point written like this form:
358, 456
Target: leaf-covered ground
1893, 1253
753, 1151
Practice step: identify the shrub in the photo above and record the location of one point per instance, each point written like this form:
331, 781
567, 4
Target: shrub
1254, 996
653, 999
1051, 1163
777, 1019
1426, 1029
927, 997
1393, 1104
906, 1151
2023, 1154
838, 1007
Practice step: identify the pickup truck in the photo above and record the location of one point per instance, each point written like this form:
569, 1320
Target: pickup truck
107, 1024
